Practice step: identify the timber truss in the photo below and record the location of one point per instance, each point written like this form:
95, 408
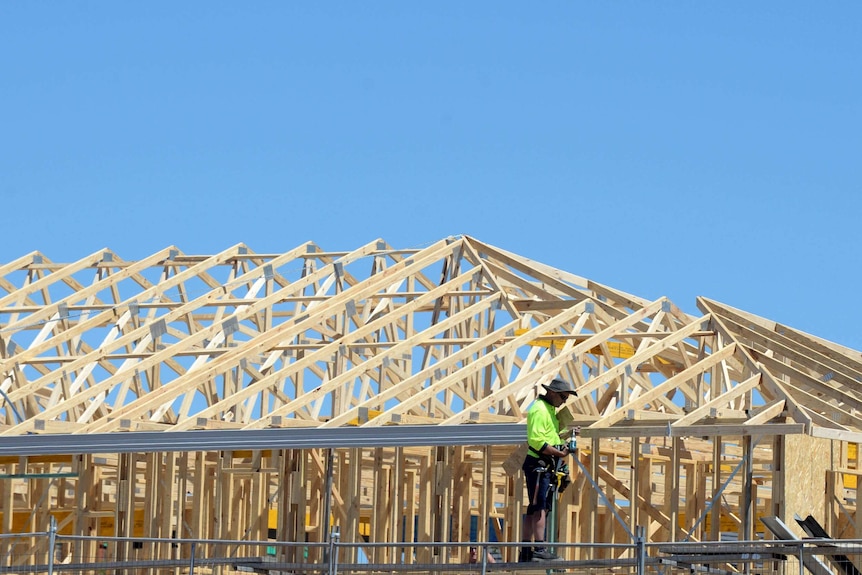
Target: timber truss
455, 333
693, 426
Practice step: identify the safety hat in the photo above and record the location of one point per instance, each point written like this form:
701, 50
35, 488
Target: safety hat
561, 386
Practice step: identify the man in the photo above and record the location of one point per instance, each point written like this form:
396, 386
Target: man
545, 448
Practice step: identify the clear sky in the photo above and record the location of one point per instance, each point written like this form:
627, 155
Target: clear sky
662, 148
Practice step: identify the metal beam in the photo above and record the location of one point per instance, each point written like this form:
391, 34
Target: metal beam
232, 439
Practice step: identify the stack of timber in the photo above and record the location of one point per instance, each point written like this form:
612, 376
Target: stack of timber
692, 426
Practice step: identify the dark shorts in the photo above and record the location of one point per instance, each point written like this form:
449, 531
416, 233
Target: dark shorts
538, 475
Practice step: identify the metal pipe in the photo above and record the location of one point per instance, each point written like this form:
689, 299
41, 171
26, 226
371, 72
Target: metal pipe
484, 558
333, 558
52, 540
640, 549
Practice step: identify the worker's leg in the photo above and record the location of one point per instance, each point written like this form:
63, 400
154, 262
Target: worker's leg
529, 526
538, 485
530, 467
540, 551
526, 553
539, 518
534, 526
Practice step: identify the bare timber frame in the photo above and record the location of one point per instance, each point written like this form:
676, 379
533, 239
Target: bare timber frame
228, 396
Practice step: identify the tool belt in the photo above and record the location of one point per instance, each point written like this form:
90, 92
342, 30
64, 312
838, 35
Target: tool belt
560, 478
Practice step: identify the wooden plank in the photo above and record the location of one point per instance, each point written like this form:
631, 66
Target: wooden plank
378, 360
718, 402
672, 486
141, 333
771, 388
426, 512
650, 395
326, 351
792, 343
107, 316
550, 367
61, 275
768, 412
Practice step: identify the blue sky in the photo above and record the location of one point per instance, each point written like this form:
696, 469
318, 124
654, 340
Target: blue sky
674, 148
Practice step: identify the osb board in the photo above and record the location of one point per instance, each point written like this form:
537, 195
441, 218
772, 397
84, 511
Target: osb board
806, 461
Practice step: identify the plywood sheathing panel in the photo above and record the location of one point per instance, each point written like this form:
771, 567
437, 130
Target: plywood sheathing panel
806, 462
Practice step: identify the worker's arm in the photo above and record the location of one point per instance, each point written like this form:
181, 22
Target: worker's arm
552, 450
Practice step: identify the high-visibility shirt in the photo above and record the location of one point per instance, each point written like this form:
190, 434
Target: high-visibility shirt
543, 427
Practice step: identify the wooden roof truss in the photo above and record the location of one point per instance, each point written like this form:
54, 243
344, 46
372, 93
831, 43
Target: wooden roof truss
453, 333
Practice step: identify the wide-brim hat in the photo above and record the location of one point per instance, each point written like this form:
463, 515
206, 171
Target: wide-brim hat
561, 386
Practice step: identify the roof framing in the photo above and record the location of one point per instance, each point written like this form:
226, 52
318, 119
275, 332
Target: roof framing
458, 332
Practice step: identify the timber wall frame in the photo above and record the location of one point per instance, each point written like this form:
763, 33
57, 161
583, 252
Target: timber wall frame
691, 425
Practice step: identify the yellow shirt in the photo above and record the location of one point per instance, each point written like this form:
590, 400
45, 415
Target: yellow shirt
543, 427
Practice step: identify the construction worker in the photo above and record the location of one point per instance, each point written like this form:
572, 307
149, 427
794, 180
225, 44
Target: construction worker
545, 449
